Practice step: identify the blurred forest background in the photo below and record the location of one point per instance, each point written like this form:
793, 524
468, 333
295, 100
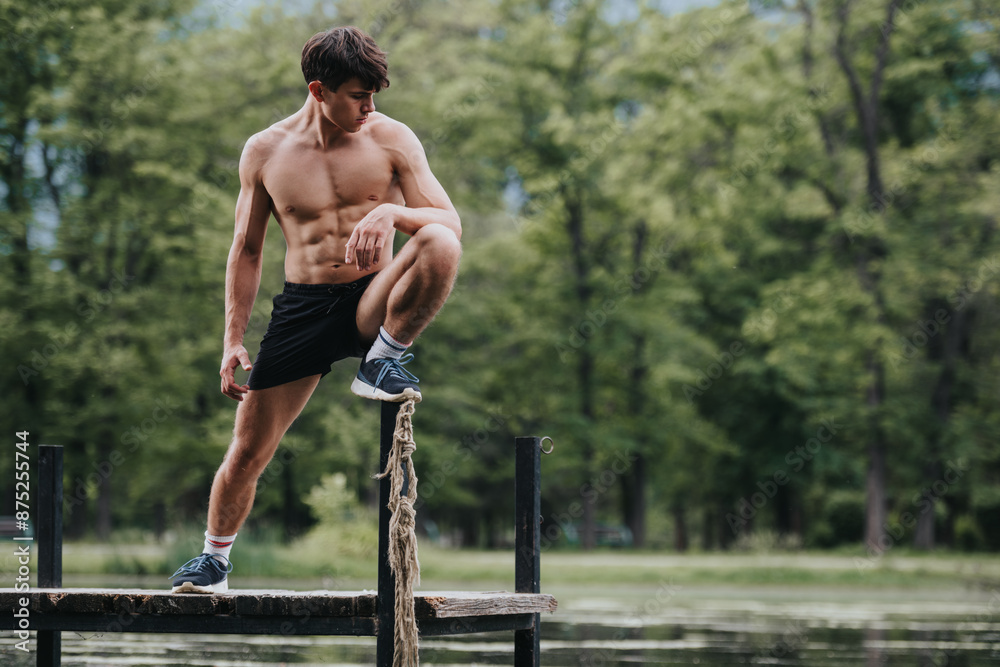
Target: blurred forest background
741, 262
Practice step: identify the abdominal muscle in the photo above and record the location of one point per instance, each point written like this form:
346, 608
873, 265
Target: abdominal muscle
316, 251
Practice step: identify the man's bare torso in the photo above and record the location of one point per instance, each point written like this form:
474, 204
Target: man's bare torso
318, 195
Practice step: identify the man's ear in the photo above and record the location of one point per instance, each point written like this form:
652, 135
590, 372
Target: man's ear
316, 90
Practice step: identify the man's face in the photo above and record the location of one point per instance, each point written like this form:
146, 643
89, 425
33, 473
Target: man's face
349, 105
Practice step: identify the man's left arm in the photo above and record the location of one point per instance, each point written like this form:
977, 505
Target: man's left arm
426, 202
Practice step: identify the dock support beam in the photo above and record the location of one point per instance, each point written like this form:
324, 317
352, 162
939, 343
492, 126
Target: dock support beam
527, 541
385, 644
49, 522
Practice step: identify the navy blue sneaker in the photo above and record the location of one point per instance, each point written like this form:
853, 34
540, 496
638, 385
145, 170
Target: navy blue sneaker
202, 574
386, 380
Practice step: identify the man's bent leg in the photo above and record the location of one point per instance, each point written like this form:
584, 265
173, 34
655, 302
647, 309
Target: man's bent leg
261, 420
406, 295
399, 303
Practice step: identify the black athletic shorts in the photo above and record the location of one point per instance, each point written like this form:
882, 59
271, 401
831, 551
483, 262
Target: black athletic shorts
311, 327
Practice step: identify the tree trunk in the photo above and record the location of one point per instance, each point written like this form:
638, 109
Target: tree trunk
954, 339
76, 518
923, 533
866, 107
948, 528
159, 519
585, 363
289, 501
875, 509
725, 534
15, 178
588, 538
707, 528
103, 519
635, 478
783, 499
633, 483
796, 518
680, 526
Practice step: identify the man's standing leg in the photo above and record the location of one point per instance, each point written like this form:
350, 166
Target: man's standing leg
399, 304
262, 418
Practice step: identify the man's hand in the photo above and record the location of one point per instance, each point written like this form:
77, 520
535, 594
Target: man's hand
369, 237
234, 356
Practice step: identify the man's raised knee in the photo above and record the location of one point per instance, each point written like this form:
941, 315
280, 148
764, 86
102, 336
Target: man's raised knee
439, 239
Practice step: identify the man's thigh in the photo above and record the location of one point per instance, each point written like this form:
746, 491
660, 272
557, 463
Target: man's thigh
431, 251
373, 303
265, 414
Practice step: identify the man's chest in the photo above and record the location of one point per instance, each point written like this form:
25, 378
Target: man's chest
311, 183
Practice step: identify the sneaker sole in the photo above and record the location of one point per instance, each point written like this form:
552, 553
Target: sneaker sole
361, 388
188, 587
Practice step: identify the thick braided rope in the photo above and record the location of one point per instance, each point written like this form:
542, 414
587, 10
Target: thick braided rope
402, 536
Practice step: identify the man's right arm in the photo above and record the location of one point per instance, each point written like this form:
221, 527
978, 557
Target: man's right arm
253, 210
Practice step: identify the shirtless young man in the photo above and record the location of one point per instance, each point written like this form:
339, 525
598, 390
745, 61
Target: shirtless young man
340, 179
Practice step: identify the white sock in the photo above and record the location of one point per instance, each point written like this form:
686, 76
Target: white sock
385, 347
219, 545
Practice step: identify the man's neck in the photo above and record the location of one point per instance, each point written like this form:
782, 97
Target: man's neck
325, 133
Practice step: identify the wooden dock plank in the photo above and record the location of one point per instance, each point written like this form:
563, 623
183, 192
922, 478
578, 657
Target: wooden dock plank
501, 603
270, 603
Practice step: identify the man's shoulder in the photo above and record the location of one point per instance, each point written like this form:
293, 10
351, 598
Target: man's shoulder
387, 130
397, 139
263, 145
265, 142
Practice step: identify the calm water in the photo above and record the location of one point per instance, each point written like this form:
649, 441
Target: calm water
664, 625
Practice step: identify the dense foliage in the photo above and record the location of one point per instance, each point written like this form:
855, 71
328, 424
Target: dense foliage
740, 263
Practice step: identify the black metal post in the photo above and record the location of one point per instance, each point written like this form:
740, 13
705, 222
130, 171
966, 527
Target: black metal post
527, 539
385, 651
50, 502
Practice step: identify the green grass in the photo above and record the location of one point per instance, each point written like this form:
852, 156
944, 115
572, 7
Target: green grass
263, 555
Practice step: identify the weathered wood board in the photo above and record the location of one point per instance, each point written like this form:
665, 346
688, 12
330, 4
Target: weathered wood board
335, 604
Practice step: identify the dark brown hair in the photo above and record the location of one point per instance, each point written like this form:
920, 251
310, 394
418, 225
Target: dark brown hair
341, 54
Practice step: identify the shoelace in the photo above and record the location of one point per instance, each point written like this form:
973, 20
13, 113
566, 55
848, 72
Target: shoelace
395, 367
196, 564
